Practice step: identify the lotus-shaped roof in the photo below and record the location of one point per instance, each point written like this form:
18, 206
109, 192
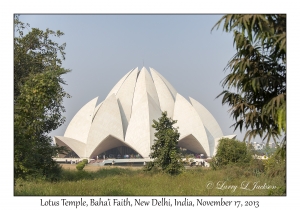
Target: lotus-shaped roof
125, 118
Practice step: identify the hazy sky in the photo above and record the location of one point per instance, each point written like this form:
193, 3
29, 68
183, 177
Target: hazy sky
101, 49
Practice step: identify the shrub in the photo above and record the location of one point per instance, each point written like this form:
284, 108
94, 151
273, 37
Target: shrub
257, 167
275, 165
80, 166
85, 161
231, 151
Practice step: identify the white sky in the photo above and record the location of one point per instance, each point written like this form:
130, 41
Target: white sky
101, 49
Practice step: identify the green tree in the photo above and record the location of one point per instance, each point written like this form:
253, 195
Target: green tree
256, 84
38, 97
165, 152
231, 151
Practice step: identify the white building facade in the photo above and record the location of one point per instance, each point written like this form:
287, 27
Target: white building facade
125, 117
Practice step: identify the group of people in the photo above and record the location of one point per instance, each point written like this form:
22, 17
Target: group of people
201, 163
119, 156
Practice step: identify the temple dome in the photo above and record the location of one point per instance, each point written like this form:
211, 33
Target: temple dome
125, 118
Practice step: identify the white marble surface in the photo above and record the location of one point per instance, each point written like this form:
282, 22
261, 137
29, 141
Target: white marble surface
165, 97
79, 126
126, 116
125, 96
78, 147
139, 130
106, 122
116, 88
189, 122
212, 127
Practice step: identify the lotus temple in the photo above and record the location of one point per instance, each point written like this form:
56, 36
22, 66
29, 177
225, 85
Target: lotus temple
121, 125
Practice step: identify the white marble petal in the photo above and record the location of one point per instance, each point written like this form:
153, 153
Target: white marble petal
79, 126
213, 129
170, 87
191, 143
143, 86
108, 143
77, 146
211, 141
118, 85
106, 122
207, 118
189, 122
96, 109
139, 134
165, 97
125, 97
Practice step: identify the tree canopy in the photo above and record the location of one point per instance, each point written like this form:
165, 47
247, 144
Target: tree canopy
165, 152
231, 151
256, 85
38, 97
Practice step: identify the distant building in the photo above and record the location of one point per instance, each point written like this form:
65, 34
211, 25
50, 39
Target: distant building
258, 146
272, 145
121, 125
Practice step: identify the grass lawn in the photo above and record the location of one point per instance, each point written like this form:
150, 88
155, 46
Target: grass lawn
133, 181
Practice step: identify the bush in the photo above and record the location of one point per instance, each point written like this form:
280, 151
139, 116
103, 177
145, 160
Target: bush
80, 166
231, 151
275, 165
257, 167
85, 161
